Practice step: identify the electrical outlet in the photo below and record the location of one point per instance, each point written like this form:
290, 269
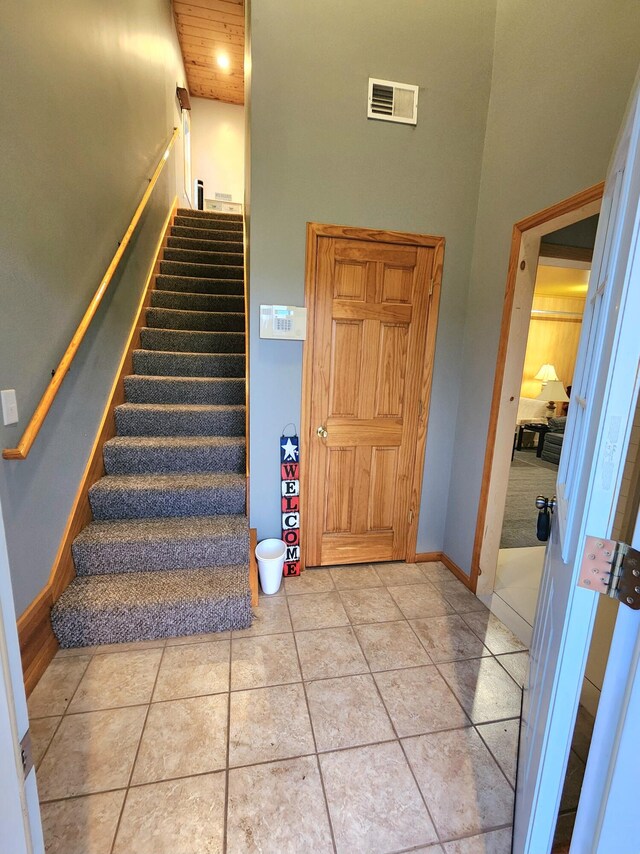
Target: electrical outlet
9, 406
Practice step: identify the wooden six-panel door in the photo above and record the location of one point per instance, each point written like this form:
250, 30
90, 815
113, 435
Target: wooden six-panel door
372, 298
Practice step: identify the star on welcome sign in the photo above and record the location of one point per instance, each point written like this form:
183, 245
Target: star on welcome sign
290, 450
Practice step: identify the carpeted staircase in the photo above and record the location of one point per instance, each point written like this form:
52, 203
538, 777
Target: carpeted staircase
167, 553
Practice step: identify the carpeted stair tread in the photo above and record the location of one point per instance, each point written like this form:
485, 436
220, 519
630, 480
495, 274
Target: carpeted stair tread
170, 419
125, 607
216, 391
235, 237
187, 364
214, 216
205, 321
201, 256
142, 454
201, 271
187, 341
167, 552
197, 302
202, 285
205, 245
145, 496
137, 545
205, 223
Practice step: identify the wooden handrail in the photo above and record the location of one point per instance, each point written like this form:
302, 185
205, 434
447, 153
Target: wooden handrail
33, 427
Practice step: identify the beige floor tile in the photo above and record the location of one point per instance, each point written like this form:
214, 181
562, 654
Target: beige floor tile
309, 581
494, 842
419, 701
205, 638
373, 605
176, 817
461, 782
54, 691
373, 800
117, 679
279, 592
42, 730
486, 692
389, 646
517, 666
91, 752
355, 577
462, 599
420, 600
448, 638
394, 574
277, 808
269, 724
317, 611
265, 660
182, 738
493, 633
347, 712
501, 738
193, 670
110, 647
84, 825
271, 617
330, 652
436, 572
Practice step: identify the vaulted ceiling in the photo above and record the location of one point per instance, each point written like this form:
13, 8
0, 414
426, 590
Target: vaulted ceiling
211, 35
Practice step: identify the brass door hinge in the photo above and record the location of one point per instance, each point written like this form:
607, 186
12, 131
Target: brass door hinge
613, 569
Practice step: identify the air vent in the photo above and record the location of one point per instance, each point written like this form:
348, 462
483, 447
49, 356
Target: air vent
393, 102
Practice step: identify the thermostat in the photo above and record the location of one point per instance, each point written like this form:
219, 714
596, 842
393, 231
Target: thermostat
283, 321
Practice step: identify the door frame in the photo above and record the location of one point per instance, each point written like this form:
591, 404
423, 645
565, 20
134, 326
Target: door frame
523, 259
315, 231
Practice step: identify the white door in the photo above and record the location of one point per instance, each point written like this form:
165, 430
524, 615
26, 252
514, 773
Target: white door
594, 449
20, 827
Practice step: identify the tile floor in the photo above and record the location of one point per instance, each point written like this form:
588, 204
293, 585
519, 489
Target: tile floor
368, 709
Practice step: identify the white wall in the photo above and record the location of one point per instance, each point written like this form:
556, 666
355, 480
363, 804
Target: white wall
316, 157
217, 147
562, 75
94, 104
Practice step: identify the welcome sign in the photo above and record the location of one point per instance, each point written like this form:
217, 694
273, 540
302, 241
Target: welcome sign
290, 502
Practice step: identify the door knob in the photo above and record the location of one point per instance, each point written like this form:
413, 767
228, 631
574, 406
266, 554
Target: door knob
322, 432
543, 527
543, 503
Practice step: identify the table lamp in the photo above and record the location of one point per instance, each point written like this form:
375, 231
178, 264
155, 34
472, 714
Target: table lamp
553, 392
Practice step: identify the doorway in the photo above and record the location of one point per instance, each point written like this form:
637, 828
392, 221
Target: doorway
550, 255
560, 287
372, 298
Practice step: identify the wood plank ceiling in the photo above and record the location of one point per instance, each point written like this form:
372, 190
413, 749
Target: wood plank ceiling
211, 35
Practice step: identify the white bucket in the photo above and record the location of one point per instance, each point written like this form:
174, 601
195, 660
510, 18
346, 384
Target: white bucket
270, 555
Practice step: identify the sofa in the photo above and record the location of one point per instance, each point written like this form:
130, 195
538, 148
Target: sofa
552, 447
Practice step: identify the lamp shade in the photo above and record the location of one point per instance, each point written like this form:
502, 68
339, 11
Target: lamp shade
547, 373
553, 390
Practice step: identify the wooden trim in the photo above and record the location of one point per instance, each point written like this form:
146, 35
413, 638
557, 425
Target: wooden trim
253, 567
426, 557
425, 398
348, 232
33, 427
432, 557
38, 644
536, 225
459, 573
314, 231
37, 641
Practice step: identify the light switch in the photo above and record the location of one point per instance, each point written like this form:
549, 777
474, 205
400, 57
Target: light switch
9, 406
